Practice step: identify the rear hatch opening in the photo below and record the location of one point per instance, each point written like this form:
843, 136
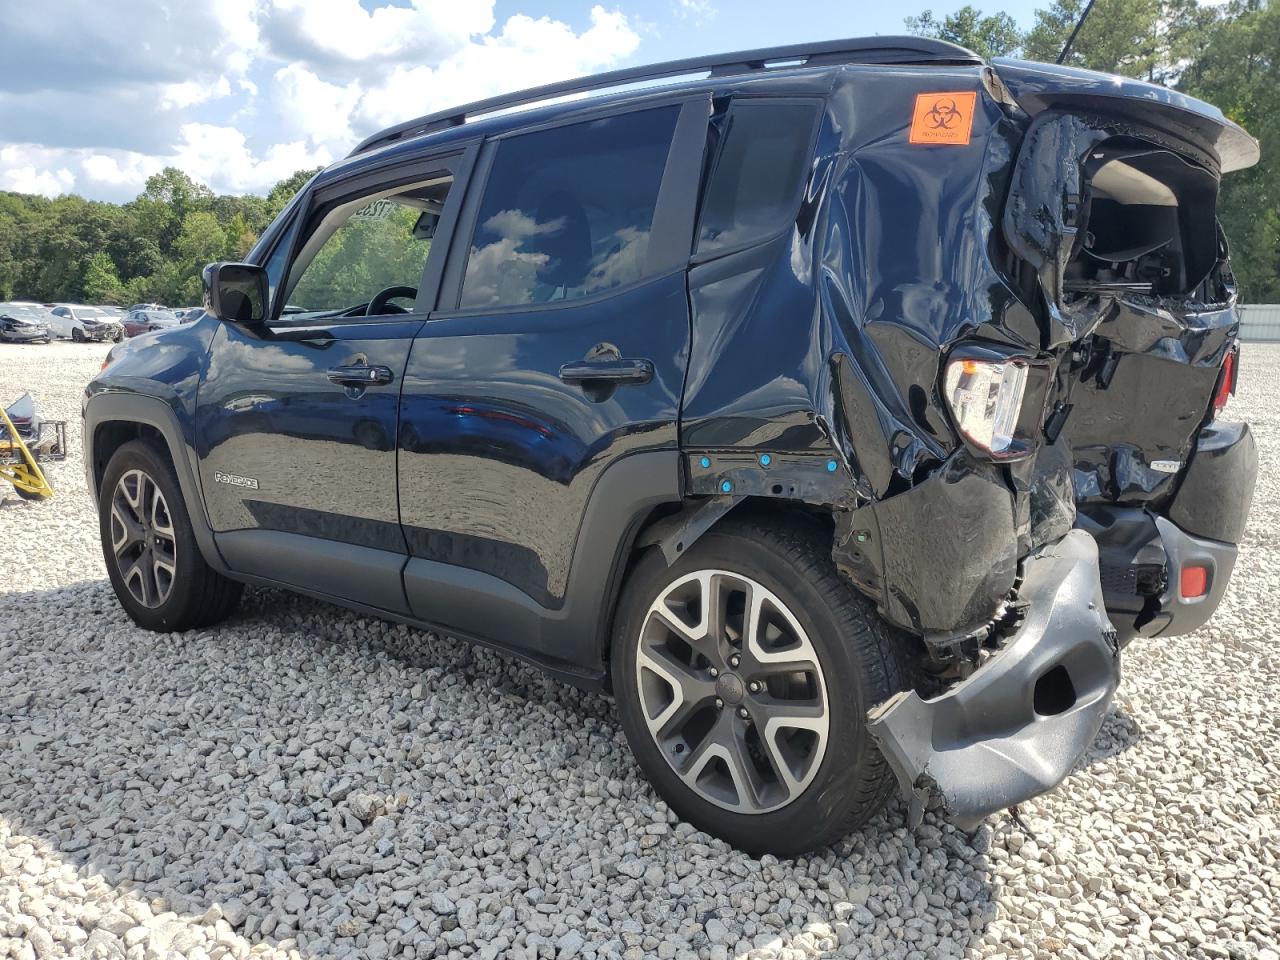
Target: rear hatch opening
1147, 225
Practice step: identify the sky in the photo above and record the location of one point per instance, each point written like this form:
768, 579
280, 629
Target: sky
97, 95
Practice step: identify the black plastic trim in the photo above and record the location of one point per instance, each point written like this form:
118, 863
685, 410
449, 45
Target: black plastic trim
1213, 499
329, 567
112, 407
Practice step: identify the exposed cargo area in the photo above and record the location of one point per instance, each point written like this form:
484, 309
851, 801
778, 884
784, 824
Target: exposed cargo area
1147, 224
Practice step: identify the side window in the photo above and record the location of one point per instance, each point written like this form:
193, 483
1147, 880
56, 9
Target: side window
368, 251
566, 212
759, 172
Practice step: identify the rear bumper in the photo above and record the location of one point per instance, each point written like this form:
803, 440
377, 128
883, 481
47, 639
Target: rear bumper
1144, 553
1016, 727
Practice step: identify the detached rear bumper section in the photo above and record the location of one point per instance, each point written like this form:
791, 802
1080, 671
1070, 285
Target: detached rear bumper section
1016, 727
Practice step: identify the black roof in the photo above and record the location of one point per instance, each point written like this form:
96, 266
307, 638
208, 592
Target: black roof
889, 51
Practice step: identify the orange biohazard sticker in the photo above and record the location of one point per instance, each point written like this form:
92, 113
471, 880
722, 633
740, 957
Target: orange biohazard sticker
943, 117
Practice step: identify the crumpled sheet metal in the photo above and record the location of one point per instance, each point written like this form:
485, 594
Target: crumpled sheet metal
876, 306
987, 744
939, 558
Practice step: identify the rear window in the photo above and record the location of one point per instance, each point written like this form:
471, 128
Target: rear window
567, 212
758, 172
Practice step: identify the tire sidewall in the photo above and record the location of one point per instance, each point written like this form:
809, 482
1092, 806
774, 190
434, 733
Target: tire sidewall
790, 829
137, 455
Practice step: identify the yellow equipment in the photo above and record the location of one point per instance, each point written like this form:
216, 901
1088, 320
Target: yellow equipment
26, 444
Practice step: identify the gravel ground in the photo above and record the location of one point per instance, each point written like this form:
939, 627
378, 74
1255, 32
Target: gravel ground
302, 781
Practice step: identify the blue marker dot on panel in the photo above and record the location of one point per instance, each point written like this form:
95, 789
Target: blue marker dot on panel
726, 486
831, 466
765, 459
704, 462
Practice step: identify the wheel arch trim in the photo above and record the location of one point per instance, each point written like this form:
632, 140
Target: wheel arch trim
105, 408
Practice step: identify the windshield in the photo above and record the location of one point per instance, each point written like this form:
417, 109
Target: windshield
87, 312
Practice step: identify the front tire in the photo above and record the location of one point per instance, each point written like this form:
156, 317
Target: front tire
77, 335
743, 675
149, 545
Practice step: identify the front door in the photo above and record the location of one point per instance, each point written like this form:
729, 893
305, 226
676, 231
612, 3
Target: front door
566, 351
298, 418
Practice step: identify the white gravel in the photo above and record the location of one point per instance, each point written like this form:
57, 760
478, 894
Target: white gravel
302, 781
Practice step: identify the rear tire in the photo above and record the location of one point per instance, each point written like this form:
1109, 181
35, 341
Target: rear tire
779, 709
149, 545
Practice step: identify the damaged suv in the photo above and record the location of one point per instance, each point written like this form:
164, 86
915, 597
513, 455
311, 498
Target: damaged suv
843, 409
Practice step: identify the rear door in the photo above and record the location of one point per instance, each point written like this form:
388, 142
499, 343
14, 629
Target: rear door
298, 417
560, 348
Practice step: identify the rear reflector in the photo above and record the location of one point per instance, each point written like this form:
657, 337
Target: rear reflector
1194, 582
1226, 381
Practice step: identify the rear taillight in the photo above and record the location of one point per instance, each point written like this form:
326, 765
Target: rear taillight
1226, 380
985, 398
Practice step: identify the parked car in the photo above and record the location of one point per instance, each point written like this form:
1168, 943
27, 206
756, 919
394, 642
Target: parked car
82, 323
844, 418
149, 306
145, 321
24, 323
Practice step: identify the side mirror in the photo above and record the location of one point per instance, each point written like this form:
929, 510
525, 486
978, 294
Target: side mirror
236, 291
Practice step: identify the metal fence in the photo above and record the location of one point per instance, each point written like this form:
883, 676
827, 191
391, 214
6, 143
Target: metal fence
1260, 321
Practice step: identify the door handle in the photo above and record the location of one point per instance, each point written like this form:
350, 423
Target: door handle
607, 371
360, 375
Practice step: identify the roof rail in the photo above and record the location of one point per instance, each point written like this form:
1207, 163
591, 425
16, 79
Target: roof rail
869, 50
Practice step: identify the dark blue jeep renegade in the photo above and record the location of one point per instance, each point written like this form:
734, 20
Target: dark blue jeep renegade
843, 410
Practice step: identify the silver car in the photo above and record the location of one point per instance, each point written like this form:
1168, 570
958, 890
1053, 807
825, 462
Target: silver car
24, 322
82, 323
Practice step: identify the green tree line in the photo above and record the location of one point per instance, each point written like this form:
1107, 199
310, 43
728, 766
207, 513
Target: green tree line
1227, 54
150, 249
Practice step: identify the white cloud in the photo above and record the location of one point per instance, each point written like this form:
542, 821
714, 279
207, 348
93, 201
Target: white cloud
190, 92
30, 179
697, 10
526, 53
218, 156
124, 170
241, 93
336, 33
310, 107
221, 158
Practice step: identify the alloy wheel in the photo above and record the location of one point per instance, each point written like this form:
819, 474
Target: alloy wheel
142, 538
732, 691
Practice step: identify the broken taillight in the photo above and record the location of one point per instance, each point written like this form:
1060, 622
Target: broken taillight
1226, 380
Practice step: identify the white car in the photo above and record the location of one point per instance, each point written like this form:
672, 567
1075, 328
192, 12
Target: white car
82, 323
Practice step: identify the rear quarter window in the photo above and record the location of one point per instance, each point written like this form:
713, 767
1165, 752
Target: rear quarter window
758, 172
